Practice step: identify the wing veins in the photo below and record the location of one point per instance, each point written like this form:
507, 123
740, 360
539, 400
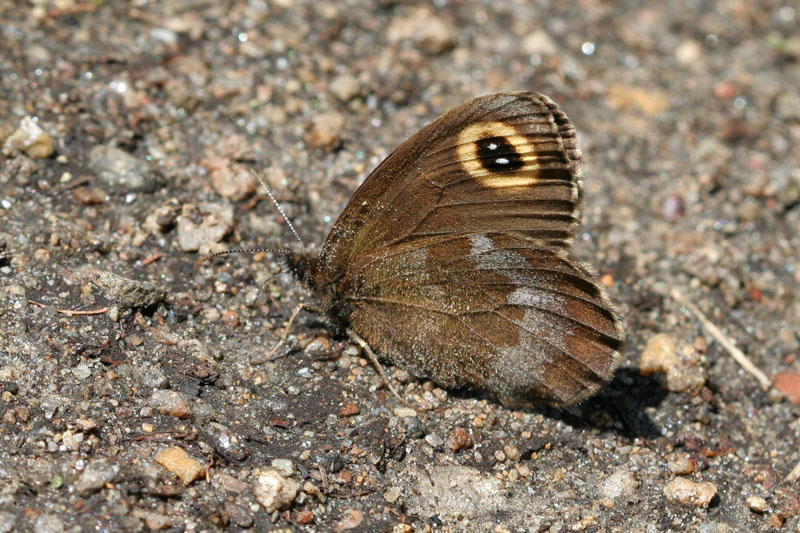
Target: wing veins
497, 312
597, 307
550, 182
547, 341
388, 301
454, 236
542, 160
527, 201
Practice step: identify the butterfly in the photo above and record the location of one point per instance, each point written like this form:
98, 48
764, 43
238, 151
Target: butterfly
452, 258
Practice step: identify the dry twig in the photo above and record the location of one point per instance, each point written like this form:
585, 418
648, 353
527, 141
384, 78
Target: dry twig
726, 343
70, 312
794, 475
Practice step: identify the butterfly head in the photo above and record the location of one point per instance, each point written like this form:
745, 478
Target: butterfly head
326, 295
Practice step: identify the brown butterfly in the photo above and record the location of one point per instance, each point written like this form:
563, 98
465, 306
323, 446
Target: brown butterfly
452, 258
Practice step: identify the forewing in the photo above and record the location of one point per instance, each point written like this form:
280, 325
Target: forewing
500, 312
503, 162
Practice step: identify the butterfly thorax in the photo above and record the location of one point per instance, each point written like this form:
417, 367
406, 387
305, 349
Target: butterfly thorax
326, 297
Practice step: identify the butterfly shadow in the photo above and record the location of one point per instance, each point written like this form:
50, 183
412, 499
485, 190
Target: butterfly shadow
620, 407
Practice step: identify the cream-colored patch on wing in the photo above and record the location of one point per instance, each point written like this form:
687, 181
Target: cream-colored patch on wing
470, 162
531, 297
480, 244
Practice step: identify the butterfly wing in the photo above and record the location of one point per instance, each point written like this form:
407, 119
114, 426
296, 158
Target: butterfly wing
451, 259
496, 311
504, 162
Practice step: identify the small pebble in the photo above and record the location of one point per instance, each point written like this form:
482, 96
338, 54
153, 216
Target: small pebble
788, 383
344, 87
403, 412
349, 409
41, 255
31, 139
272, 490
310, 488
94, 477
153, 521
687, 492
176, 460
88, 196
688, 52
621, 485
71, 440
325, 129
120, 169
660, 354
216, 220
724, 90
351, 520
171, 403
512, 452
680, 464
228, 482
414, 428
82, 371
425, 30
7, 522
757, 504
392, 494
401, 375
434, 440
212, 314
672, 208
229, 179
539, 43
48, 523
284, 466
230, 318
459, 439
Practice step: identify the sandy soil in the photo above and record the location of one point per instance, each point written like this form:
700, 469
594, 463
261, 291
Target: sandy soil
136, 391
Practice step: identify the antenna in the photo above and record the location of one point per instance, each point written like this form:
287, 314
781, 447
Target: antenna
279, 208
239, 251
257, 250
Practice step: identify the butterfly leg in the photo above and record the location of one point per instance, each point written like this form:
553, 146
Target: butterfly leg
271, 354
378, 366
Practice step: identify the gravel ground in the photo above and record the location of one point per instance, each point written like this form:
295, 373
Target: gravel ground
137, 391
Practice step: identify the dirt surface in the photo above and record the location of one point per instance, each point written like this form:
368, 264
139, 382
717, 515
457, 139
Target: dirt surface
127, 131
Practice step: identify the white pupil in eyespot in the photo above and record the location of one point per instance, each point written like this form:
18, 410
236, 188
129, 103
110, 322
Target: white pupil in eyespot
492, 146
501, 161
